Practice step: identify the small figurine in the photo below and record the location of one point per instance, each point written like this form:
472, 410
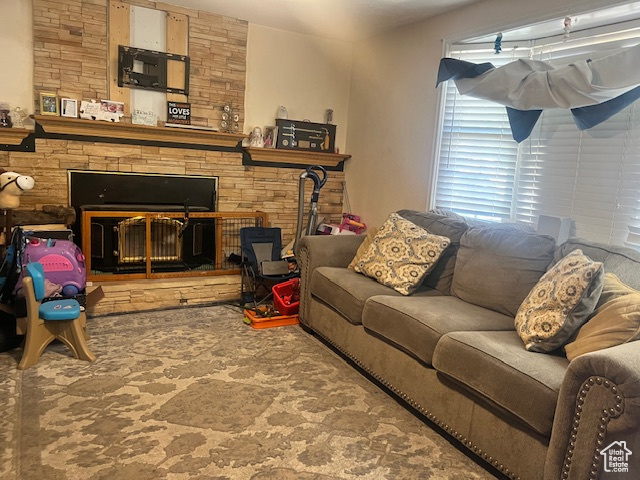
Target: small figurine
567, 28
282, 112
497, 46
5, 120
18, 116
255, 139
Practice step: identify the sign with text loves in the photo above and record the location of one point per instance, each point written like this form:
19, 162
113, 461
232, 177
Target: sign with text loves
179, 112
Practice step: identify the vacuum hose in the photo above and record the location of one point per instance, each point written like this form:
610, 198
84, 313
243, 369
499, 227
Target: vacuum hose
312, 173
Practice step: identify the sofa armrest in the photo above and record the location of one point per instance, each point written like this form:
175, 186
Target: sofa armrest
318, 251
598, 405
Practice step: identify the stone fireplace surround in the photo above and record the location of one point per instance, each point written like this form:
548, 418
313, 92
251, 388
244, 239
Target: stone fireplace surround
71, 51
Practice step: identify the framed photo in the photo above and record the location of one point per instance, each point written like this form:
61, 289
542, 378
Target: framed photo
69, 107
113, 107
48, 104
270, 135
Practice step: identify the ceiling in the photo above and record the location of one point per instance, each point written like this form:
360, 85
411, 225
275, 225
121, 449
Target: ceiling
340, 19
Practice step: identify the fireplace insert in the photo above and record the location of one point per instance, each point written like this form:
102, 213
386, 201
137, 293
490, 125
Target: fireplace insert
119, 242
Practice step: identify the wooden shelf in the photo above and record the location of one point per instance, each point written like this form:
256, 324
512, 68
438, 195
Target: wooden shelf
13, 136
300, 157
102, 129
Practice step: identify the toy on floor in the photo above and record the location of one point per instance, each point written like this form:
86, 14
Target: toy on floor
12, 185
63, 263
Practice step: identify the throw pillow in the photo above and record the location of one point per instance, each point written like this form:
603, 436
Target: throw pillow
616, 322
613, 288
363, 246
401, 254
560, 303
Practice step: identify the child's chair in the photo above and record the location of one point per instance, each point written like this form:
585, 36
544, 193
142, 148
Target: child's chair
56, 319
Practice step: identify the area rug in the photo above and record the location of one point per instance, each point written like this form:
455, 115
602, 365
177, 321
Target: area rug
195, 393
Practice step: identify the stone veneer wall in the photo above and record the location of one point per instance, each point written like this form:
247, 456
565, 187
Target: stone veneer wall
70, 59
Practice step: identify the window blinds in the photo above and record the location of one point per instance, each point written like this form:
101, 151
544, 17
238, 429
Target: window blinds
478, 157
591, 176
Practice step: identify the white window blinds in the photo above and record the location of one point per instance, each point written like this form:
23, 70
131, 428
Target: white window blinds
590, 176
478, 156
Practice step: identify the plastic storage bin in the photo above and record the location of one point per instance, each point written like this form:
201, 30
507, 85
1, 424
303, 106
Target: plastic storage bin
286, 297
259, 322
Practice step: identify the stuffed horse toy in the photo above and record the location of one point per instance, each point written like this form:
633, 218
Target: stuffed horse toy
12, 185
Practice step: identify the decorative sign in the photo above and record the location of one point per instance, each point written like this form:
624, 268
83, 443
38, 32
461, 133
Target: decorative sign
178, 112
141, 117
299, 135
106, 110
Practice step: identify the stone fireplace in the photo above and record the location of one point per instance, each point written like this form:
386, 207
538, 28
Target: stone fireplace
71, 59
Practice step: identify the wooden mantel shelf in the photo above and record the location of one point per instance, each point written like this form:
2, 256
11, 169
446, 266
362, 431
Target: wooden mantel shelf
300, 157
97, 128
13, 136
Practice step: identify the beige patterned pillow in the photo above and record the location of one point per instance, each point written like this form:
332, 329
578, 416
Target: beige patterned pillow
401, 254
364, 246
560, 303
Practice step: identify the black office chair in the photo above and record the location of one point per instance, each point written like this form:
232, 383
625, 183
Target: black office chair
261, 264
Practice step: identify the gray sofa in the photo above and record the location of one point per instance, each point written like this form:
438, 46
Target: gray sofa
450, 350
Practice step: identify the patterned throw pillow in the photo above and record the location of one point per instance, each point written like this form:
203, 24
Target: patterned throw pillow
364, 246
560, 303
401, 254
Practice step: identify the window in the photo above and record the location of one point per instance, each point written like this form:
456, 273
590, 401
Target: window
590, 176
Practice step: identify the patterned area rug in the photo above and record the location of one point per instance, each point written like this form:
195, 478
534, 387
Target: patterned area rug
196, 393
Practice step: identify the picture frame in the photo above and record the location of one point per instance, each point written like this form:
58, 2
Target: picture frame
69, 107
270, 135
48, 103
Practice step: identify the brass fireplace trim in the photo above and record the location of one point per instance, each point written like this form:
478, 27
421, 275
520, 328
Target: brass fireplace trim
223, 237
125, 245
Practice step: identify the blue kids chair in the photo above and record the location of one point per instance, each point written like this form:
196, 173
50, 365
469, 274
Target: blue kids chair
56, 319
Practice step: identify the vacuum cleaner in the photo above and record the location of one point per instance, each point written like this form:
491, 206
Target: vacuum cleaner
319, 177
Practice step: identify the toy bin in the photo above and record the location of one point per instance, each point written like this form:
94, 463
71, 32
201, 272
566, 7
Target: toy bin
256, 319
286, 297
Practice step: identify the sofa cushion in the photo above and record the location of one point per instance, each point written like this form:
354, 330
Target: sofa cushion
401, 254
346, 291
441, 275
495, 366
624, 262
497, 267
560, 303
415, 324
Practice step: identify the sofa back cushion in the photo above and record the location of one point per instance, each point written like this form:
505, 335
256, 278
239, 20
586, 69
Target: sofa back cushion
496, 268
623, 262
441, 276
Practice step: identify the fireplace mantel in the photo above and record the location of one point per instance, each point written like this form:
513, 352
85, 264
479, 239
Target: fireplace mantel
96, 130
296, 157
128, 131
13, 136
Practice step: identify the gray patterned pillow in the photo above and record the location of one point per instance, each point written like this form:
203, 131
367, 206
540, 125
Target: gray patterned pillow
560, 303
401, 254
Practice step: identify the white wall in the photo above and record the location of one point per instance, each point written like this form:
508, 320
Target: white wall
16, 54
393, 105
304, 73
